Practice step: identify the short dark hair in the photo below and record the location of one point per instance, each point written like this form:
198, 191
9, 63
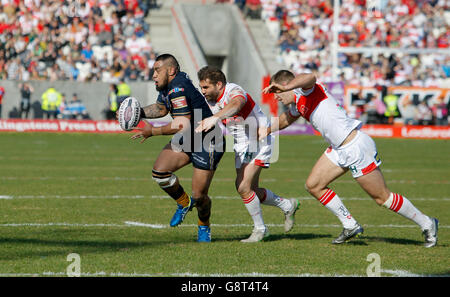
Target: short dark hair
213, 74
171, 61
282, 76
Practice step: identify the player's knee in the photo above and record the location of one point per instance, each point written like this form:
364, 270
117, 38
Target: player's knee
164, 179
243, 188
311, 186
201, 200
381, 198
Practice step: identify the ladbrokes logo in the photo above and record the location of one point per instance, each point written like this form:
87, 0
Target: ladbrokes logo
416, 95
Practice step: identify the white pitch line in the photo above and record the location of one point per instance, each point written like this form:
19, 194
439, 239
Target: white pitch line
9, 197
395, 273
164, 226
216, 179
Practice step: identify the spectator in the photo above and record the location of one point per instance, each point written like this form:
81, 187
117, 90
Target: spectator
34, 35
424, 114
2, 94
391, 112
25, 102
123, 91
440, 112
76, 108
63, 111
51, 99
371, 108
409, 112
112, 103
396, 24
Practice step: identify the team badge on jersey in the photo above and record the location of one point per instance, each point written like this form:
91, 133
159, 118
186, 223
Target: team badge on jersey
179, 102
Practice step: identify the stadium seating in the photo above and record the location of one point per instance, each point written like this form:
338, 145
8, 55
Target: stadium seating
304, 32
73, 40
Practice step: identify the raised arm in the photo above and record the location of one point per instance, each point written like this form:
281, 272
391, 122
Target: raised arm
303, 80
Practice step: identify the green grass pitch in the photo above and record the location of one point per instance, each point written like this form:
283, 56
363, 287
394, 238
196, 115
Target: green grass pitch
93, 195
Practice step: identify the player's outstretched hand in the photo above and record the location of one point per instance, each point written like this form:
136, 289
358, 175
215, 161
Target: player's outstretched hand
144, 132
207, 124
274, 88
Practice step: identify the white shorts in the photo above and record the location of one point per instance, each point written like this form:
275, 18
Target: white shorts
359, 155
260, 158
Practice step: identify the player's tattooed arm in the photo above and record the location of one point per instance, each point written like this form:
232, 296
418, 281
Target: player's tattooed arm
153, 111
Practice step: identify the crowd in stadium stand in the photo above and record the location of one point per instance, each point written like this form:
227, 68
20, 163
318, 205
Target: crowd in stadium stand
82, 40
304, 32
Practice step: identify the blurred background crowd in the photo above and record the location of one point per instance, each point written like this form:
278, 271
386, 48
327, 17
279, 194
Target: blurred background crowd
83, 40
109, 41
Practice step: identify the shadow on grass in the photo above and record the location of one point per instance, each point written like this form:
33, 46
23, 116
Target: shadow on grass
275, 237
46, 246
402, 241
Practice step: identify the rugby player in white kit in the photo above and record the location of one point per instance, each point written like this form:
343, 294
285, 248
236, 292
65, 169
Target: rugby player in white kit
350, 149
232, 105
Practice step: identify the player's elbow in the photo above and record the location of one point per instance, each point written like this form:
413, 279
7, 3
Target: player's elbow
311, 79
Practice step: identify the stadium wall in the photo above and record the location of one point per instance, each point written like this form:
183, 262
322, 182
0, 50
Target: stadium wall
94, 95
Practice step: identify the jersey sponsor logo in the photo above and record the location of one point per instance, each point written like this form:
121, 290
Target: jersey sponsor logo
175, 90
179, 102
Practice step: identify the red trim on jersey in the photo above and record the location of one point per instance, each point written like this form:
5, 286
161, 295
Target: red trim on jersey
329, 194
369, 168
221, 95
247, 108
244, 112
261, 163
307, 104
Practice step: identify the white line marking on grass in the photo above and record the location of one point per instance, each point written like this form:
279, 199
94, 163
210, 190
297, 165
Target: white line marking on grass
138, 224
397, 273
165, 197
164, 226
216, 179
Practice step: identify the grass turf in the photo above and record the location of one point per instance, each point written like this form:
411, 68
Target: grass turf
78, 193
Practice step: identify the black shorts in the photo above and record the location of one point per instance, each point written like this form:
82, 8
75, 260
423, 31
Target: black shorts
206, 156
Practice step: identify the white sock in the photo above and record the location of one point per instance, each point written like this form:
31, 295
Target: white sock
404, 207
333, 203
274, 200
254, 209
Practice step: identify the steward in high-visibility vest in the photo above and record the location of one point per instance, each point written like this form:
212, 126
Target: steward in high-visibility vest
51, 99
123, 89
391, 105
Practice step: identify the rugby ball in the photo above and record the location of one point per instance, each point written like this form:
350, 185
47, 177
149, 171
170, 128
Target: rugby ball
129, 114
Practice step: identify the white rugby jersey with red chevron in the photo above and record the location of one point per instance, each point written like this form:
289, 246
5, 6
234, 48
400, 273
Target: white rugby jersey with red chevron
251, 113
319, 108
